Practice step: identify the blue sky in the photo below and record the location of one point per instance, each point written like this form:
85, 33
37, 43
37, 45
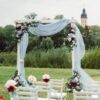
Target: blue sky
11, 10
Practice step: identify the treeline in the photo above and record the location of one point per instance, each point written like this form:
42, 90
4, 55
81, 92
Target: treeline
53, 58
8, 40
50, 51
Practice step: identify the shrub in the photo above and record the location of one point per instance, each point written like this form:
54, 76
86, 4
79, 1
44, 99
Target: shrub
57, 58
53, 58
8, 58
46, 43
92, 59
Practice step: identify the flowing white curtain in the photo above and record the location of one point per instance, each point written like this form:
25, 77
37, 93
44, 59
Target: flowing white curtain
77, 54
49, 29
22, 47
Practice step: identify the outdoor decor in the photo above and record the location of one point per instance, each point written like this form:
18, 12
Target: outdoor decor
77, 44
74, 83
46, 78
31, 80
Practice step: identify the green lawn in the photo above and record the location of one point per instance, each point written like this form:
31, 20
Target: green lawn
7, 72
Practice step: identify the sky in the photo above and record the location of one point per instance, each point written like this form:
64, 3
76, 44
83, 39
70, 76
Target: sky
12, 10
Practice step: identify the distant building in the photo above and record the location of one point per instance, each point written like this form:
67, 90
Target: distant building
84, 18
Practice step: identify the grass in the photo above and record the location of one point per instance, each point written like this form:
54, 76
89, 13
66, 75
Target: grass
7, 72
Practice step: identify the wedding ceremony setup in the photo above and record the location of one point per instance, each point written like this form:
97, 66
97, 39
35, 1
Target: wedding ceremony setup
81, 84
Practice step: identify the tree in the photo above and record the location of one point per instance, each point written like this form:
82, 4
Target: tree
7, 38
46, 43
59, 17
31, 16
88, 38
80, 28
2, 39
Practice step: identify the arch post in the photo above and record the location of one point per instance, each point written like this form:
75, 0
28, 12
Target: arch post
21, 51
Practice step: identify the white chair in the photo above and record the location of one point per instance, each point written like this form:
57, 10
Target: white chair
98, 82
57, 89
92, 92
26, 93
86, 95
43, 88
95, 87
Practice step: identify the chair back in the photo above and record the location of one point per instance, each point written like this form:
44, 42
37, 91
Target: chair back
43, 90
57, 84
86, 95
26, 93
57, 89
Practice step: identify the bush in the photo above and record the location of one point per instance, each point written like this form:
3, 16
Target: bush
53, 58
46, 43
7, 58
92, 59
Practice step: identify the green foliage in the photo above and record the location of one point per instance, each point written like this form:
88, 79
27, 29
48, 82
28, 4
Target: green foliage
95, 32
34, 43
80, 27
92, 59
31, 16
88, 39
46, 43
7, 38
8, 43
53, 58
59, 17
8, 58
57, 58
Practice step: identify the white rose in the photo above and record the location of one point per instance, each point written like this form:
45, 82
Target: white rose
32, 79
46, 76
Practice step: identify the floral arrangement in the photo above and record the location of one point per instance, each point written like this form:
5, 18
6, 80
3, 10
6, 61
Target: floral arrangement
74, 83
16, 78
20, 30
46, 78
70, 39
22, 26
11, 85
31, 80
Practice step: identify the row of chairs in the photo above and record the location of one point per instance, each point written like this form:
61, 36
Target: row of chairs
92, 93
52, 90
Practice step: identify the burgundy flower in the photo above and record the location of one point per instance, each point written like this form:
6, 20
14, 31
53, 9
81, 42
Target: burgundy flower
73, 84
11, 89
46, 80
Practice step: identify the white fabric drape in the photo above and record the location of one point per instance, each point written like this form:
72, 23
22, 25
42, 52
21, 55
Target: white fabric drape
22, 47
77, 54
49, 29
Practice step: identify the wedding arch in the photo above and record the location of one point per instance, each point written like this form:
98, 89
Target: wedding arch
39, 29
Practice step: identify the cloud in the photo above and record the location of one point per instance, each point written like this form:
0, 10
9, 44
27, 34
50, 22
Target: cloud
10, 10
